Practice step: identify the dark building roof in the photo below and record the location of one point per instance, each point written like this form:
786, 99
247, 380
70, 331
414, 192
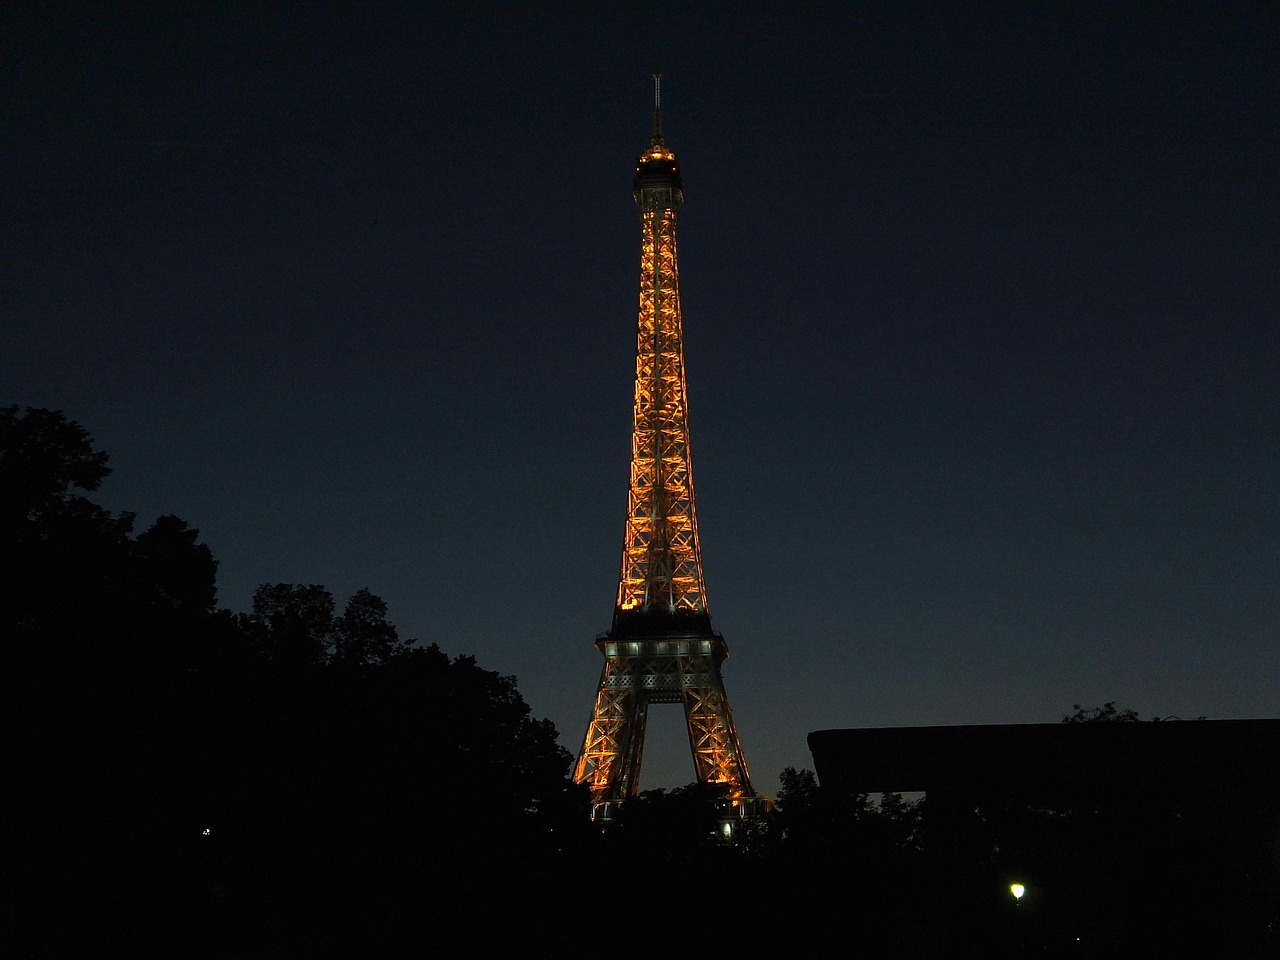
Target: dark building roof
1051, 757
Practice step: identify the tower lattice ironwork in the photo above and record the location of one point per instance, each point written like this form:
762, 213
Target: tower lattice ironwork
661, 648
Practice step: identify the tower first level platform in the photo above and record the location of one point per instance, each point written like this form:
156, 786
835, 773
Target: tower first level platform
643, 670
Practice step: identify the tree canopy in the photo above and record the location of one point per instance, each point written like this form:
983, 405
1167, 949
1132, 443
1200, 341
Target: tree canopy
1107, 713
180, 761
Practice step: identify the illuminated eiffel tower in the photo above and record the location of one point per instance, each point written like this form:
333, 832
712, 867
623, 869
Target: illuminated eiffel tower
661, 648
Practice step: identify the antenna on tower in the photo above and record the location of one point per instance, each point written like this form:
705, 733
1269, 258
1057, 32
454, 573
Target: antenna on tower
657, 109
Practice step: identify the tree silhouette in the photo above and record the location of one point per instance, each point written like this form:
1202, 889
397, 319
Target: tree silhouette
1107, 713
43, 456
363, 636
62, 557
292, 625
281, 776
174, 574
79, 595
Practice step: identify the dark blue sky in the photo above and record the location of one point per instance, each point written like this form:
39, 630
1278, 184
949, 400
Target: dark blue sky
981, 331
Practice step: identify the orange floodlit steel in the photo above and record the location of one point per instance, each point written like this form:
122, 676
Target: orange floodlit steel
661, 559
661, 648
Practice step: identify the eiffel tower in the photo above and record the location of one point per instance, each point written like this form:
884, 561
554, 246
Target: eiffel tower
661, 648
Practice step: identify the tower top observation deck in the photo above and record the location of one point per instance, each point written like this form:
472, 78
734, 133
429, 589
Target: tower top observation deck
657, 166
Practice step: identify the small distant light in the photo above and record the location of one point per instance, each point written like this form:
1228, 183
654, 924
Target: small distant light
1018, 890
727, 829
206, 832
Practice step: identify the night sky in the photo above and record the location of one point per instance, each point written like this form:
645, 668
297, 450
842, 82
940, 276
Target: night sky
980, 311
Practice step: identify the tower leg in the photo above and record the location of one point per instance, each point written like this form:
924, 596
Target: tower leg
717, 755
613, 747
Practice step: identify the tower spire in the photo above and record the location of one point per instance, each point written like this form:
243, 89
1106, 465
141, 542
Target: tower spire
657, 110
